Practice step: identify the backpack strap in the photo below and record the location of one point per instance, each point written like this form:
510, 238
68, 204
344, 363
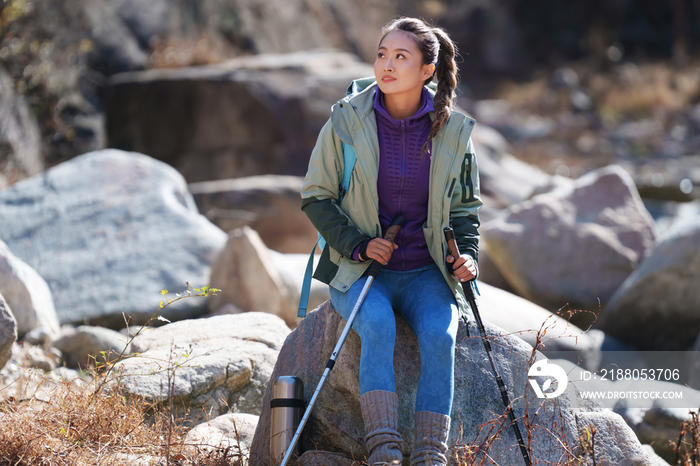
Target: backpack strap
349, 158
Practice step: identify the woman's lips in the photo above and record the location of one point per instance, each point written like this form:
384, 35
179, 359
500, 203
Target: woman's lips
387, 79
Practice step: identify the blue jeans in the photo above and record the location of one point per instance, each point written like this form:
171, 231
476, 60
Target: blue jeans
424, 299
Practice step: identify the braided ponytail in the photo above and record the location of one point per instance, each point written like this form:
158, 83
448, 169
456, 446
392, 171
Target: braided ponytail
446, 74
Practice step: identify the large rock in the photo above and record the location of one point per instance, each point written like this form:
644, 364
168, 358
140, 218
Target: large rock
574, 245
269, 204
530, 322
85, 346
65, 78
20, 140
108, 231
218, 364
257, 26
245, 272
250, 116
504, 178
292, 268
656, 460
335, 424
658, 422
615, 442
8, 332
656, 308
233, 431
27, 294
282, 26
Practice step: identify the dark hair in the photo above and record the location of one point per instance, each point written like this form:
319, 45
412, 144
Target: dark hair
435, 47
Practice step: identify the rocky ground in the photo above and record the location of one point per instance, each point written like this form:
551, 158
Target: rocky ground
223, 362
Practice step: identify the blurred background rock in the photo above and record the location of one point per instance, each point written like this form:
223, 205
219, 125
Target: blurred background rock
572, 86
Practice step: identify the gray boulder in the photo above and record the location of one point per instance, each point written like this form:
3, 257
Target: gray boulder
20, 139
246, 274
8, 332
504, 178
292, 268
38, 357
269, 204
108, 230
84, 346
27, 294
218, 364
233, 431
658, 422
488, 271
574, 245
335, 424
656, 460
262, 113
528, 321
615, 442
656, 308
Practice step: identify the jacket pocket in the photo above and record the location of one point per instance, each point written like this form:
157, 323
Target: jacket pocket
452, 188
466, 180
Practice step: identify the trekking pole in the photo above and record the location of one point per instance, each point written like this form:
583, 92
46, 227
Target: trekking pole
373, 272
469, 293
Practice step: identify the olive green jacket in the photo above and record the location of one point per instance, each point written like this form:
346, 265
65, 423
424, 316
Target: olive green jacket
454, 198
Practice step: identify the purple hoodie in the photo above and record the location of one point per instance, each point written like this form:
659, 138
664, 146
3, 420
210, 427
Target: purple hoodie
404, 180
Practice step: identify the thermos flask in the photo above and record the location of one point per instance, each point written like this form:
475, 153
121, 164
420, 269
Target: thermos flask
287, 408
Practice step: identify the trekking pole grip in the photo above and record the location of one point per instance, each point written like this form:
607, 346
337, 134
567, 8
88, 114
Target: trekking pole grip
390, 235
454, 252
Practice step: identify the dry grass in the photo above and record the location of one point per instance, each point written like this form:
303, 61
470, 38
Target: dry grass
627, 92
76, 423
687, 449
70, 429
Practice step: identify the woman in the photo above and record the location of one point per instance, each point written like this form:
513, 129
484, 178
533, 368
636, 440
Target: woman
414, 158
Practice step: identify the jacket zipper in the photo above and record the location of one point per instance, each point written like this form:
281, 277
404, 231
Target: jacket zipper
403, 182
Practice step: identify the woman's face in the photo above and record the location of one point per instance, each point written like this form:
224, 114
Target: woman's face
399, 65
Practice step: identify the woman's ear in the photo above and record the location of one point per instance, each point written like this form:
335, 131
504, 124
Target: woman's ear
428, 70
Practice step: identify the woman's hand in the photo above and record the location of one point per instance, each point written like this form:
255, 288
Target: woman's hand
380, 249
464, 268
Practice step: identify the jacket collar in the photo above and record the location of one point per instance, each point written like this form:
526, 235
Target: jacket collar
349, 114
412, 122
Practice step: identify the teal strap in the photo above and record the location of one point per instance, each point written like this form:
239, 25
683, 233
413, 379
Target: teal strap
349, 159
306, 285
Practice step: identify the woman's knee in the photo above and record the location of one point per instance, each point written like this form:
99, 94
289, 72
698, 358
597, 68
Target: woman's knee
378, 326
437, 344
